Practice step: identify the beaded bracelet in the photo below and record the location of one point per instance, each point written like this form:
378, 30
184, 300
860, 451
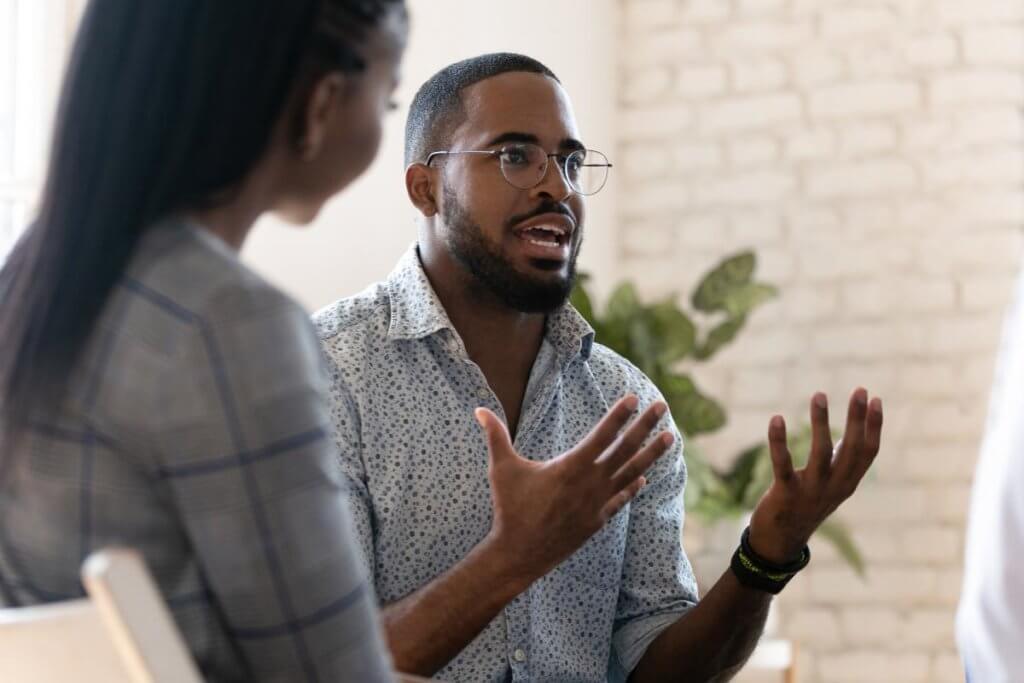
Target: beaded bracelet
756, 572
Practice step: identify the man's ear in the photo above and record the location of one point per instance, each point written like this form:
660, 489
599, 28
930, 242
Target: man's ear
419, 184
318, 110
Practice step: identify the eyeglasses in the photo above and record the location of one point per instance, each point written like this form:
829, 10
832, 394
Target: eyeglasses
524, 166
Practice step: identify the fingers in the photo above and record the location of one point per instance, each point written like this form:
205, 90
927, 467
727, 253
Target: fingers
607, 430
782, 460
626, 446
639, 463
619, 500
873, 433
853, 435
499, 443
819, 462
860, 460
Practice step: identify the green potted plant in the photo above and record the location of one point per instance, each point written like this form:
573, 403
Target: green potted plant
664, 341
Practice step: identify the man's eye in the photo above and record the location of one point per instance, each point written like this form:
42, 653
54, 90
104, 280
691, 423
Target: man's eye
514, 156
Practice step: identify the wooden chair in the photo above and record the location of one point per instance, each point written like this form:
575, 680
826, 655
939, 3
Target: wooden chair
121, 633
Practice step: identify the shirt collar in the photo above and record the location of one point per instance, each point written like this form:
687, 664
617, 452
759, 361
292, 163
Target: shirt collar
416, 312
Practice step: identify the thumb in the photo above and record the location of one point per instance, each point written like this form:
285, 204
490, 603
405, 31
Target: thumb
499, 443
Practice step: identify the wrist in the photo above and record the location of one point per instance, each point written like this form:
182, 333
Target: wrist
508, 569
761, 573
774, 548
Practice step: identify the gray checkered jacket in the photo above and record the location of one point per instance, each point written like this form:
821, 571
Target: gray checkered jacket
195, 429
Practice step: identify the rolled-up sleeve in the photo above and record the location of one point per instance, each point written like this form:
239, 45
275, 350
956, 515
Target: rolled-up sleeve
658, 585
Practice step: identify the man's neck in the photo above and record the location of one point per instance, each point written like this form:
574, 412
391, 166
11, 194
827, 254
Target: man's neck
503, 342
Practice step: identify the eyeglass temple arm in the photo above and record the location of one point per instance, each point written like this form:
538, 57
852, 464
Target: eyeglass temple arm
430, 157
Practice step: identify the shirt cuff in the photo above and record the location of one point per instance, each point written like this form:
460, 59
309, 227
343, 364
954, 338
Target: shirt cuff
630, 641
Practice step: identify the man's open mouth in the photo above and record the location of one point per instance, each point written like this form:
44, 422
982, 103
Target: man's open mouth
545, 235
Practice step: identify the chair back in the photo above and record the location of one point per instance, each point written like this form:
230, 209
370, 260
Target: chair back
122, 632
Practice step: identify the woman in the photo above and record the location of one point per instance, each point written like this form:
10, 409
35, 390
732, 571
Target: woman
154, 392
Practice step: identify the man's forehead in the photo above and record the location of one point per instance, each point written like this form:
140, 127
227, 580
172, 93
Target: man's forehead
517, 101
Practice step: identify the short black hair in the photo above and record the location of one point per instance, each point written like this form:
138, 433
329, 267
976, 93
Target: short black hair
437, 106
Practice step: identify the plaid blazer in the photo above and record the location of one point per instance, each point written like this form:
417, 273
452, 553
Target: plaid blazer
195, 429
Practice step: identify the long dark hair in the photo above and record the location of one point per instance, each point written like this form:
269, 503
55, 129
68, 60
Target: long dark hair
165, 106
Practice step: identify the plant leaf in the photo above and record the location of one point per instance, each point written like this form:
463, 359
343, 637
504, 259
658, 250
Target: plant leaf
674, 331
714, 508
643, 344
694, 413
676, 387
799, 444
713, 291
760, 480
623, 303
581, 301
839, 536
706, 495
615, 335
702, 415
742, 300
741, 473
719, 336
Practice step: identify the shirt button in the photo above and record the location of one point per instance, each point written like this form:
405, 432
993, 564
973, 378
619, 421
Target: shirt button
483, 393
519, 655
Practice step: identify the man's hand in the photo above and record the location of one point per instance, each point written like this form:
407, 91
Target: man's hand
544, 511
798, 501
714, 639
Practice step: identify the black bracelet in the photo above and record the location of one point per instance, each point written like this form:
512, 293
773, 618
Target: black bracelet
756, 572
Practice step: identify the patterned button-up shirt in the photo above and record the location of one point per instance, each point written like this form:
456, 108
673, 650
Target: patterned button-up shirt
403, 394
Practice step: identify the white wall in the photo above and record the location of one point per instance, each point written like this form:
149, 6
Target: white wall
34, 41
871, 153
361, 233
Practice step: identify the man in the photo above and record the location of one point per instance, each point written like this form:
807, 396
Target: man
528, 565
990, 621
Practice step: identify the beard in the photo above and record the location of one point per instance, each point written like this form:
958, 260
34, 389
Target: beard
492, 271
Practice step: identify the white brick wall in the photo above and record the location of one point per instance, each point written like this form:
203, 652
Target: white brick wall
871, 153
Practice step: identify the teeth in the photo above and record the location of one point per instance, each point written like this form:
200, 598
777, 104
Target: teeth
557, 234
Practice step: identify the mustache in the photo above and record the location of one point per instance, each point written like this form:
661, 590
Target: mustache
546, 207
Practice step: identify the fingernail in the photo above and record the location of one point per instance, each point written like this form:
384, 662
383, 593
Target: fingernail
776, 422
821, 401
660, 409
862, 398
643, 482
632, 402
668, 439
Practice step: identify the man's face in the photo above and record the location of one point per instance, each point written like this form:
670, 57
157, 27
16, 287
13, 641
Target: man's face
520, 244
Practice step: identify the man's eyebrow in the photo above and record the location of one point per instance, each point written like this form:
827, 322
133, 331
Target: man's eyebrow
571, 144
513, 136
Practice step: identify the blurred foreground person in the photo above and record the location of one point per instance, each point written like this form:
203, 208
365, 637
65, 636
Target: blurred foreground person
990, 621
155, 392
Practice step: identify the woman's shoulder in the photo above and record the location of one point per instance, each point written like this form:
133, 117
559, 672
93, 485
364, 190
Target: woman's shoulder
193, 276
